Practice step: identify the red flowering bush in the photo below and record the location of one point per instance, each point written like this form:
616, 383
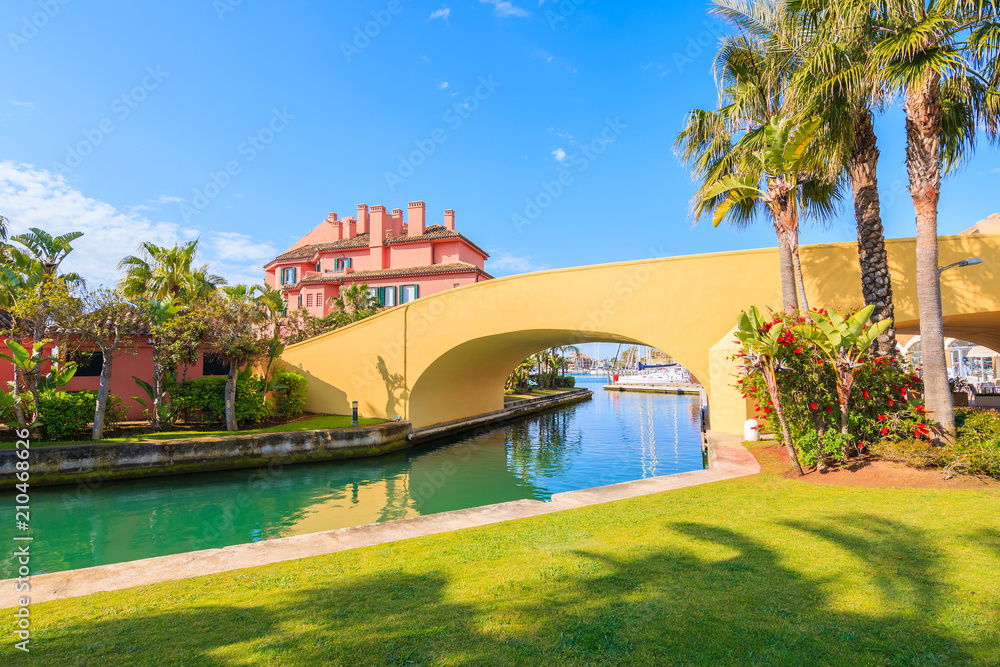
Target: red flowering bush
882, 404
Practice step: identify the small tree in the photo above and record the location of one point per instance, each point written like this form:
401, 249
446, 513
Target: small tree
843, 341
107, 319
237, 329
355, 303
762, 352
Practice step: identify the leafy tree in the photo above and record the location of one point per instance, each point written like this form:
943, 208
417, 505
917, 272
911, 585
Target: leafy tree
104, 318
763, 352
237, 329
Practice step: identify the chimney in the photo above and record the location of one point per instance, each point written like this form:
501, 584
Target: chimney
415, 218
350, 228
379, 226
397, 221
338, 229
449, 219
363, 227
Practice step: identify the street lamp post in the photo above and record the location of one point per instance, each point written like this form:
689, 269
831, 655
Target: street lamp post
965, 262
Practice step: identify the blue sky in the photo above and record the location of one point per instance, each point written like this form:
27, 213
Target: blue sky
473, 105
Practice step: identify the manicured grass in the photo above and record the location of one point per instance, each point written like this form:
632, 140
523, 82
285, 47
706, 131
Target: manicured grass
755, 571
304, 424
536, 393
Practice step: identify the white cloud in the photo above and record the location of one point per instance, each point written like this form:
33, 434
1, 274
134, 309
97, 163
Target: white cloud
26, 105
559, 154
505, 263
443, 85
542, 54
166, 199
442, 13
504, 9
31, 197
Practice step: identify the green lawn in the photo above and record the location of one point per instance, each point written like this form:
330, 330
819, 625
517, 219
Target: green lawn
755, 571
304, 424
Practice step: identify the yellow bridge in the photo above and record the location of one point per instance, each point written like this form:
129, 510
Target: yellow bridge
447, 356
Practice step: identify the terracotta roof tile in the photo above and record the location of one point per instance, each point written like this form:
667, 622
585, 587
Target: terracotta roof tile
434, 232
454, 267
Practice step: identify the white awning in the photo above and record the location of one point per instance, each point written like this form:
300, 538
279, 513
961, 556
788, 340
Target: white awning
981, 352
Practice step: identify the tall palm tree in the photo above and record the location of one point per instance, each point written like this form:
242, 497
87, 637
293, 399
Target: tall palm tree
158, 272
943, 57
754, 69
833, 75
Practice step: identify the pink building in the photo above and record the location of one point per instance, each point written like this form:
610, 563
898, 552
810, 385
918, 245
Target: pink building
400, 261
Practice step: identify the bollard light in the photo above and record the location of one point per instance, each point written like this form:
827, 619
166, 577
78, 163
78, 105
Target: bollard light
354, 413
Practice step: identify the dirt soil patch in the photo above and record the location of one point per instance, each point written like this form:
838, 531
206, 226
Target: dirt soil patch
870, 472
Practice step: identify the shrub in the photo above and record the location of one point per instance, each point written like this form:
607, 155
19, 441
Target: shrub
203, 400
976, 451
290, 391
68, 414
564, 381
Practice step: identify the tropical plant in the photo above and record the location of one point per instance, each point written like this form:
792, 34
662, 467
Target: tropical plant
754, 69
763, 352
843, 341
159, 272
783, 174
47, 251
355, 302
30, 364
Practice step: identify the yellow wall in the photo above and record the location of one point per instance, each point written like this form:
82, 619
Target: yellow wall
447, 356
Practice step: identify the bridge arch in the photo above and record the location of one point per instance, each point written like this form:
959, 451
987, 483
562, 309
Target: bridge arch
445, 356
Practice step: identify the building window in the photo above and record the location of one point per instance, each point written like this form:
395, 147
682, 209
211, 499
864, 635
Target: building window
88, 364
214, 364
340, 265
300, 301
288, 276
409, 293
457, 284
309, 300
387, 295
319, 266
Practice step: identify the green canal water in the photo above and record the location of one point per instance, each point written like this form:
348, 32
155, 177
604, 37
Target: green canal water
616, 437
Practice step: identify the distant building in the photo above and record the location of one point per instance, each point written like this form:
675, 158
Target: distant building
991, 225
400, 261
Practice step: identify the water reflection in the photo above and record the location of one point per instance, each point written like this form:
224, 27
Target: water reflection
613, 438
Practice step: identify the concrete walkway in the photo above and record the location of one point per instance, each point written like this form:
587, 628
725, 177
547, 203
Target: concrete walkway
728, 457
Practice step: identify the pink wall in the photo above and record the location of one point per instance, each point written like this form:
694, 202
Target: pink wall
410, 254
137, 362
448, 252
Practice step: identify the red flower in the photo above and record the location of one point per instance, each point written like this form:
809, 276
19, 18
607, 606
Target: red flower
864, 392
819, 361
885, 430
829, 409
882, 418
798, 350
919, 408
892, 402
813, 406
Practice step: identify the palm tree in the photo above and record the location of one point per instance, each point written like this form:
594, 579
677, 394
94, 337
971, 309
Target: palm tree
783, 175
943, 57
754, 69
356, 302
833, 75
159, 272
47, 251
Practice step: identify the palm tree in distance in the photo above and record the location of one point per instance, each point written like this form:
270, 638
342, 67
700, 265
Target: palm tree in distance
356, 302
161, 271
46, 252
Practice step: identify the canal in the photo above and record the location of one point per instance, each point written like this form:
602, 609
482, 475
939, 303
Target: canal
616, 437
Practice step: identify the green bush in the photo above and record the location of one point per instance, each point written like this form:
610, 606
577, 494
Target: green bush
564, 381
68, 414
290, 393
203, 400
978, 446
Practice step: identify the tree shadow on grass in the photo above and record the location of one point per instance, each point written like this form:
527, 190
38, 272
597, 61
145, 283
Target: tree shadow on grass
990, 538
715, 596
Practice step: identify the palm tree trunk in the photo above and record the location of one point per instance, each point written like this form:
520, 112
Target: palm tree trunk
799, 280
789, 300
772, 388
876, 283
923, 163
